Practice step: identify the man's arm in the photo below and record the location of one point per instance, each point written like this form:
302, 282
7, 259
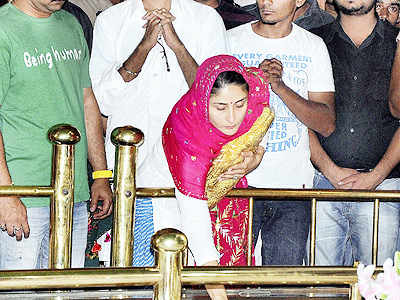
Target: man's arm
372, 179
317, 113
326, 166
13, 211
133, 65
394, 90
186, 62
159, 21
96, 154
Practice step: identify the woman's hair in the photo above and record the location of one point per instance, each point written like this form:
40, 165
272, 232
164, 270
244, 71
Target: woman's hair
226, 78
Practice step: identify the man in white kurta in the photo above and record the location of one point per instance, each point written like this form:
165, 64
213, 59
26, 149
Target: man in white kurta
145, 55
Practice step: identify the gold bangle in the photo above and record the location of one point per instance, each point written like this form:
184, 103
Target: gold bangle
130, 72
102, 174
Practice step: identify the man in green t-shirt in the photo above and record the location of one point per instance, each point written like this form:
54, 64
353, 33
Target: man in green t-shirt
44, 81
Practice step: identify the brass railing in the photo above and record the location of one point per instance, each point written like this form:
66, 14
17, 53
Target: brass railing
167, 275
61, 193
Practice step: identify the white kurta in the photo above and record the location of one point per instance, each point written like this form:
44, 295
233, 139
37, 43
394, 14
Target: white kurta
146, 101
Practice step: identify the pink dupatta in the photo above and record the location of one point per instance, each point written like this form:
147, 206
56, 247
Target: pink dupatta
191, 143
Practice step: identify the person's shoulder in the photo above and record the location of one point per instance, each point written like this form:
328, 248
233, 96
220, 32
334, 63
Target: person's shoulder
78, 12
73, 9
5, 12
323, 31
194, 5
64, 15
239, 30
306, 36
4, 22
199, 11
114, 18
390, 31
117, 12
67, 18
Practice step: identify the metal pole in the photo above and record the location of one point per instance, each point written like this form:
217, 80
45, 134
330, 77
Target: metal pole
312, 230
250, 232
375, 233
284, 195
63, 137
126, 139
26, 191
354, 292
168, 245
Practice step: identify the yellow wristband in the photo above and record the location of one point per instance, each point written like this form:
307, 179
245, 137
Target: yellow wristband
102, 174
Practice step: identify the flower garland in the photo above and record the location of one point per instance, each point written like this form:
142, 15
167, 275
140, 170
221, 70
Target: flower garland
385, 286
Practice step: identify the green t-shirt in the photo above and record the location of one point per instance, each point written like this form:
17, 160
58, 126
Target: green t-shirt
44, 67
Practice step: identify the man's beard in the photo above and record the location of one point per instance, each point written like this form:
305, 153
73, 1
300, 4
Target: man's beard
261, 19
356, 11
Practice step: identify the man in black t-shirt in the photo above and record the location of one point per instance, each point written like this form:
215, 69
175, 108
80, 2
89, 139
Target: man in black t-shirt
363, 152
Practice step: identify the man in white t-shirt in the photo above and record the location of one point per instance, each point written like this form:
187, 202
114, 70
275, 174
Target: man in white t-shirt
298, 66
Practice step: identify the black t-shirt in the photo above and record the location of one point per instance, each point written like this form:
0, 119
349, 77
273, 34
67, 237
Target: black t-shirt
234, 15
83, 20
364, 124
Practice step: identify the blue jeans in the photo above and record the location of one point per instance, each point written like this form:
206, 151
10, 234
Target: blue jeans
33, 252
143, 255
284, 230
344, 229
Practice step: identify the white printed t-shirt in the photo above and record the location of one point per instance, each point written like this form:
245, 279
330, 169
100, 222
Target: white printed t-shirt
306, 68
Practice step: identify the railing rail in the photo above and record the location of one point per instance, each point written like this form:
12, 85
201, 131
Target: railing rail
132, 276
294, 194
168, 275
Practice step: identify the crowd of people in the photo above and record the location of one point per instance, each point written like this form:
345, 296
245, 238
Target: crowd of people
201, 79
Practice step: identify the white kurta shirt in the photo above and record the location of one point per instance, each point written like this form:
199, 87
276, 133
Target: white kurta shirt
146, 101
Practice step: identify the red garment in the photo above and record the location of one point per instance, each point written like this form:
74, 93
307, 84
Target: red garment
230, 220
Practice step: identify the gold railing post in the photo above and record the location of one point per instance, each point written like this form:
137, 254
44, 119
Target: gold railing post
313, 230
126, 139
63, 137
250, 232
168, 245
375, 233
354, 292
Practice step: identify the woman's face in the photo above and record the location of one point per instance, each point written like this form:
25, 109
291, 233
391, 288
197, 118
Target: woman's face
228, 108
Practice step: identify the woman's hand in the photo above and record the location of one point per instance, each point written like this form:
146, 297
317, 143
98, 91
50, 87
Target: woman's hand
251, 160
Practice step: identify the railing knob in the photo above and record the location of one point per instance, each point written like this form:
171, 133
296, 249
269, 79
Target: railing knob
169, 240
127, 136
168, 245
64, 134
